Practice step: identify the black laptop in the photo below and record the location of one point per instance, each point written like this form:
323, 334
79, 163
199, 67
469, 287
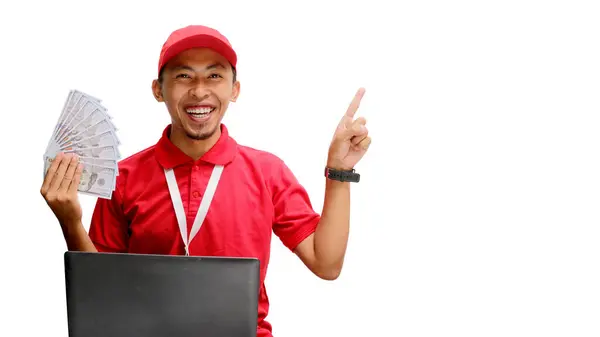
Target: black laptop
135, 295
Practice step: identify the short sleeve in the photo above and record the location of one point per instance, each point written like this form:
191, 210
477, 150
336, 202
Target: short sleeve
109, 226
294, 216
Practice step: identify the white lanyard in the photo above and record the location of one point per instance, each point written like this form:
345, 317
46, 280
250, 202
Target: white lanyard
202, 210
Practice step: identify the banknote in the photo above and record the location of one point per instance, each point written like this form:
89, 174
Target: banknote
74, 100
89, 139
84, 108
95, 180
108, 163
85, 127
102, 133
73, 131
101, 152
66, 111
111, 163
62, 117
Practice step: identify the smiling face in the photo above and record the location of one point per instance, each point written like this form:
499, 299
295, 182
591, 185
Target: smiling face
197, 86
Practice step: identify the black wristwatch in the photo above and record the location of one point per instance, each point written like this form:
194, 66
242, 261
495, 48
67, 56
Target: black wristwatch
344, 176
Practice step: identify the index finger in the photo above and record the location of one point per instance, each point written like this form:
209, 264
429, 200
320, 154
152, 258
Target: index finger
52, 171
355, 103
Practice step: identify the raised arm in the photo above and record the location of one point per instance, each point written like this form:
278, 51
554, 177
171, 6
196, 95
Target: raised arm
323, 252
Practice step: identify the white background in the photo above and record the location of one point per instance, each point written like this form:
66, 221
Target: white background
478, 209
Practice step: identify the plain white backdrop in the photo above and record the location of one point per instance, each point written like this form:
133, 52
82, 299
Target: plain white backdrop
478, 209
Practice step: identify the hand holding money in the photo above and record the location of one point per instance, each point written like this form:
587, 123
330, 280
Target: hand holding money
60, 188
85, 129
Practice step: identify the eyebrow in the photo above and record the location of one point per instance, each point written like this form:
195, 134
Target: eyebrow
182, 68
212, 66
215, 65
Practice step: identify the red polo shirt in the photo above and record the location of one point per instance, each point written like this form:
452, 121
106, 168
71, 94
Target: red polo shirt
257, 195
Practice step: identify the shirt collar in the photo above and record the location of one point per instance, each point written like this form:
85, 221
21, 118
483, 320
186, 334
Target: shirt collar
169, 155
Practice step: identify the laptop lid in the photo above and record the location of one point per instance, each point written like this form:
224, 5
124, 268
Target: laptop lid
124, 295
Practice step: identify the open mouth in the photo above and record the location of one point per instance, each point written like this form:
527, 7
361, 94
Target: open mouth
199, 112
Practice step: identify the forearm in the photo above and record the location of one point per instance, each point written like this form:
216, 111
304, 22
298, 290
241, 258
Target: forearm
331, 235
323, 251
77, 238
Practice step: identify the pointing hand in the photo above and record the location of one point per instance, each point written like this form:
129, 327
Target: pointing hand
350, 140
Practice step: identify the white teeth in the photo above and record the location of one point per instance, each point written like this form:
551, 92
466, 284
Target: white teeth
201, 111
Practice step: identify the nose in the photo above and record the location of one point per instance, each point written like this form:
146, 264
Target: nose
199, 91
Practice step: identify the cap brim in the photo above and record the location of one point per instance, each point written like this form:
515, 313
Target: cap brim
200, 41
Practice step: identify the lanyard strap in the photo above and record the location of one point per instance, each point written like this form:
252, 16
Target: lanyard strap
202, 210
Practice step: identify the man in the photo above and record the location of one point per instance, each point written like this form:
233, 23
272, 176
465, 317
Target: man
198, 180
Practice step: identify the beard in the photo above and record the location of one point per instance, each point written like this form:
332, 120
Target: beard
201, 134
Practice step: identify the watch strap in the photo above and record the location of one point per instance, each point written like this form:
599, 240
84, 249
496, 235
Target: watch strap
343, 176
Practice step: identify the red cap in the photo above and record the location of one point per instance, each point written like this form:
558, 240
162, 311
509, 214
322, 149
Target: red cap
196, 36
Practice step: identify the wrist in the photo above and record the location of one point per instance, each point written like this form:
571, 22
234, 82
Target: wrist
336, 185
72, 226
337, 166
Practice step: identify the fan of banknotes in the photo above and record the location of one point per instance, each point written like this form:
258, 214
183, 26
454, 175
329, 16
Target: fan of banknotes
85, 128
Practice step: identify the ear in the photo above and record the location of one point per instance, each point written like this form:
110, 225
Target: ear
157, 91
235, 91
